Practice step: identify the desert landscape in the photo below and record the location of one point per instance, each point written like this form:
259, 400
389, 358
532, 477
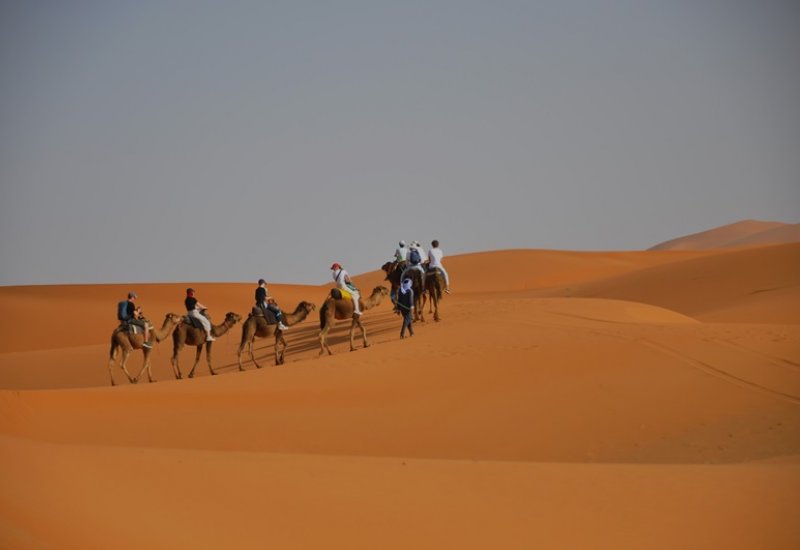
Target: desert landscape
631, 399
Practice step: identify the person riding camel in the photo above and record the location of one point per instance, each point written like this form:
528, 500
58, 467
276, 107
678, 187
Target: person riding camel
131, 314
401, 252
343, 282
414, 262
194, 308
435, 256
268, 305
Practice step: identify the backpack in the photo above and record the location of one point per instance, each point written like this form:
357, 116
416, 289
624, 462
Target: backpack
413, 257
122, 310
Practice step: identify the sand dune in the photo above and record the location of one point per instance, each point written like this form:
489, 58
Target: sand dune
605, 400
760, 285
779, 235
735, 234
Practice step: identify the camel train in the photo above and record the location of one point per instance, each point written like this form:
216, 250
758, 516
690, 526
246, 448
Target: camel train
336, 307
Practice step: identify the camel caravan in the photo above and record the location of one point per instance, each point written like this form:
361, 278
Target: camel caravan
413, 283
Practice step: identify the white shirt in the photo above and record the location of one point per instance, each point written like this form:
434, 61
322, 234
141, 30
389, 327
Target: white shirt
401, 254
435, 257
339, 275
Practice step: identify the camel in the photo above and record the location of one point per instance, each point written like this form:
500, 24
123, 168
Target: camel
338, 308
256, 326
189, 335
434, 286
122, 339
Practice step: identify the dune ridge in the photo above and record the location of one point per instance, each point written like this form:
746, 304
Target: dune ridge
741, 233
567, 399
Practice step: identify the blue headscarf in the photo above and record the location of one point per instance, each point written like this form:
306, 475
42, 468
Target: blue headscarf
405, 286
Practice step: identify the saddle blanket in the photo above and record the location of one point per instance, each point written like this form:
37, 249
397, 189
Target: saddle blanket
341, 294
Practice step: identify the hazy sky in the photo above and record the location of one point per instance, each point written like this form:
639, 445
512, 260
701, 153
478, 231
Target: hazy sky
157, 141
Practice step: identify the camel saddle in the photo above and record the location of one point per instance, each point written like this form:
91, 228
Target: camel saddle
258, 312
194, 323
130, 328
341, 294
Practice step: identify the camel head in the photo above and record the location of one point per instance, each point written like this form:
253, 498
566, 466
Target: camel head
308, 307
382, 290
232, 318
388, 268
173, 318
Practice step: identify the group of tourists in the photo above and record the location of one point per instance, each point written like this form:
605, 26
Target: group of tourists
413, 256
407, 257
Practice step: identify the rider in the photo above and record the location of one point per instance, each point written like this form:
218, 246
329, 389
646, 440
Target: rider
343, 281
268, 305
401, 252
133, 316
435, 255
414, 262
193, 307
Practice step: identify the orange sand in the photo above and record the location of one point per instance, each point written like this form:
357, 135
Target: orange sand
566, 400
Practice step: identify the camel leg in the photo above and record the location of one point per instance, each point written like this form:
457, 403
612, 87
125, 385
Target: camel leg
280, 347
208, 358
197, 357
323, 341
352, 333
146, 366
363, 333
176, 368
110, 372
111, 357
126, 353
150, 377
239, 356
253, 355
357, 323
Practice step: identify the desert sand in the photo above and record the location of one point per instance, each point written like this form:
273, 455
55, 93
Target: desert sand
566, 400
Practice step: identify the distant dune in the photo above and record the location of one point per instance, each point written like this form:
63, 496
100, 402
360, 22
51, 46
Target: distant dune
644, 399
754, 285
743, 233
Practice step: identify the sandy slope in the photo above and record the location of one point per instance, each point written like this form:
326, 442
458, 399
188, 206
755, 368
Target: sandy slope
734, 234
607, 400
759, 285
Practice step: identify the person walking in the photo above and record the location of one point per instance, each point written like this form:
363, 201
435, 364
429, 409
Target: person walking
405, 306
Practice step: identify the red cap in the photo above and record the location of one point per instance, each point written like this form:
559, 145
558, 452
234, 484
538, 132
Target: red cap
336, 266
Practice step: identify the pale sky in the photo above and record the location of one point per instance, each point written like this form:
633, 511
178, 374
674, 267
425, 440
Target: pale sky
193, 141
